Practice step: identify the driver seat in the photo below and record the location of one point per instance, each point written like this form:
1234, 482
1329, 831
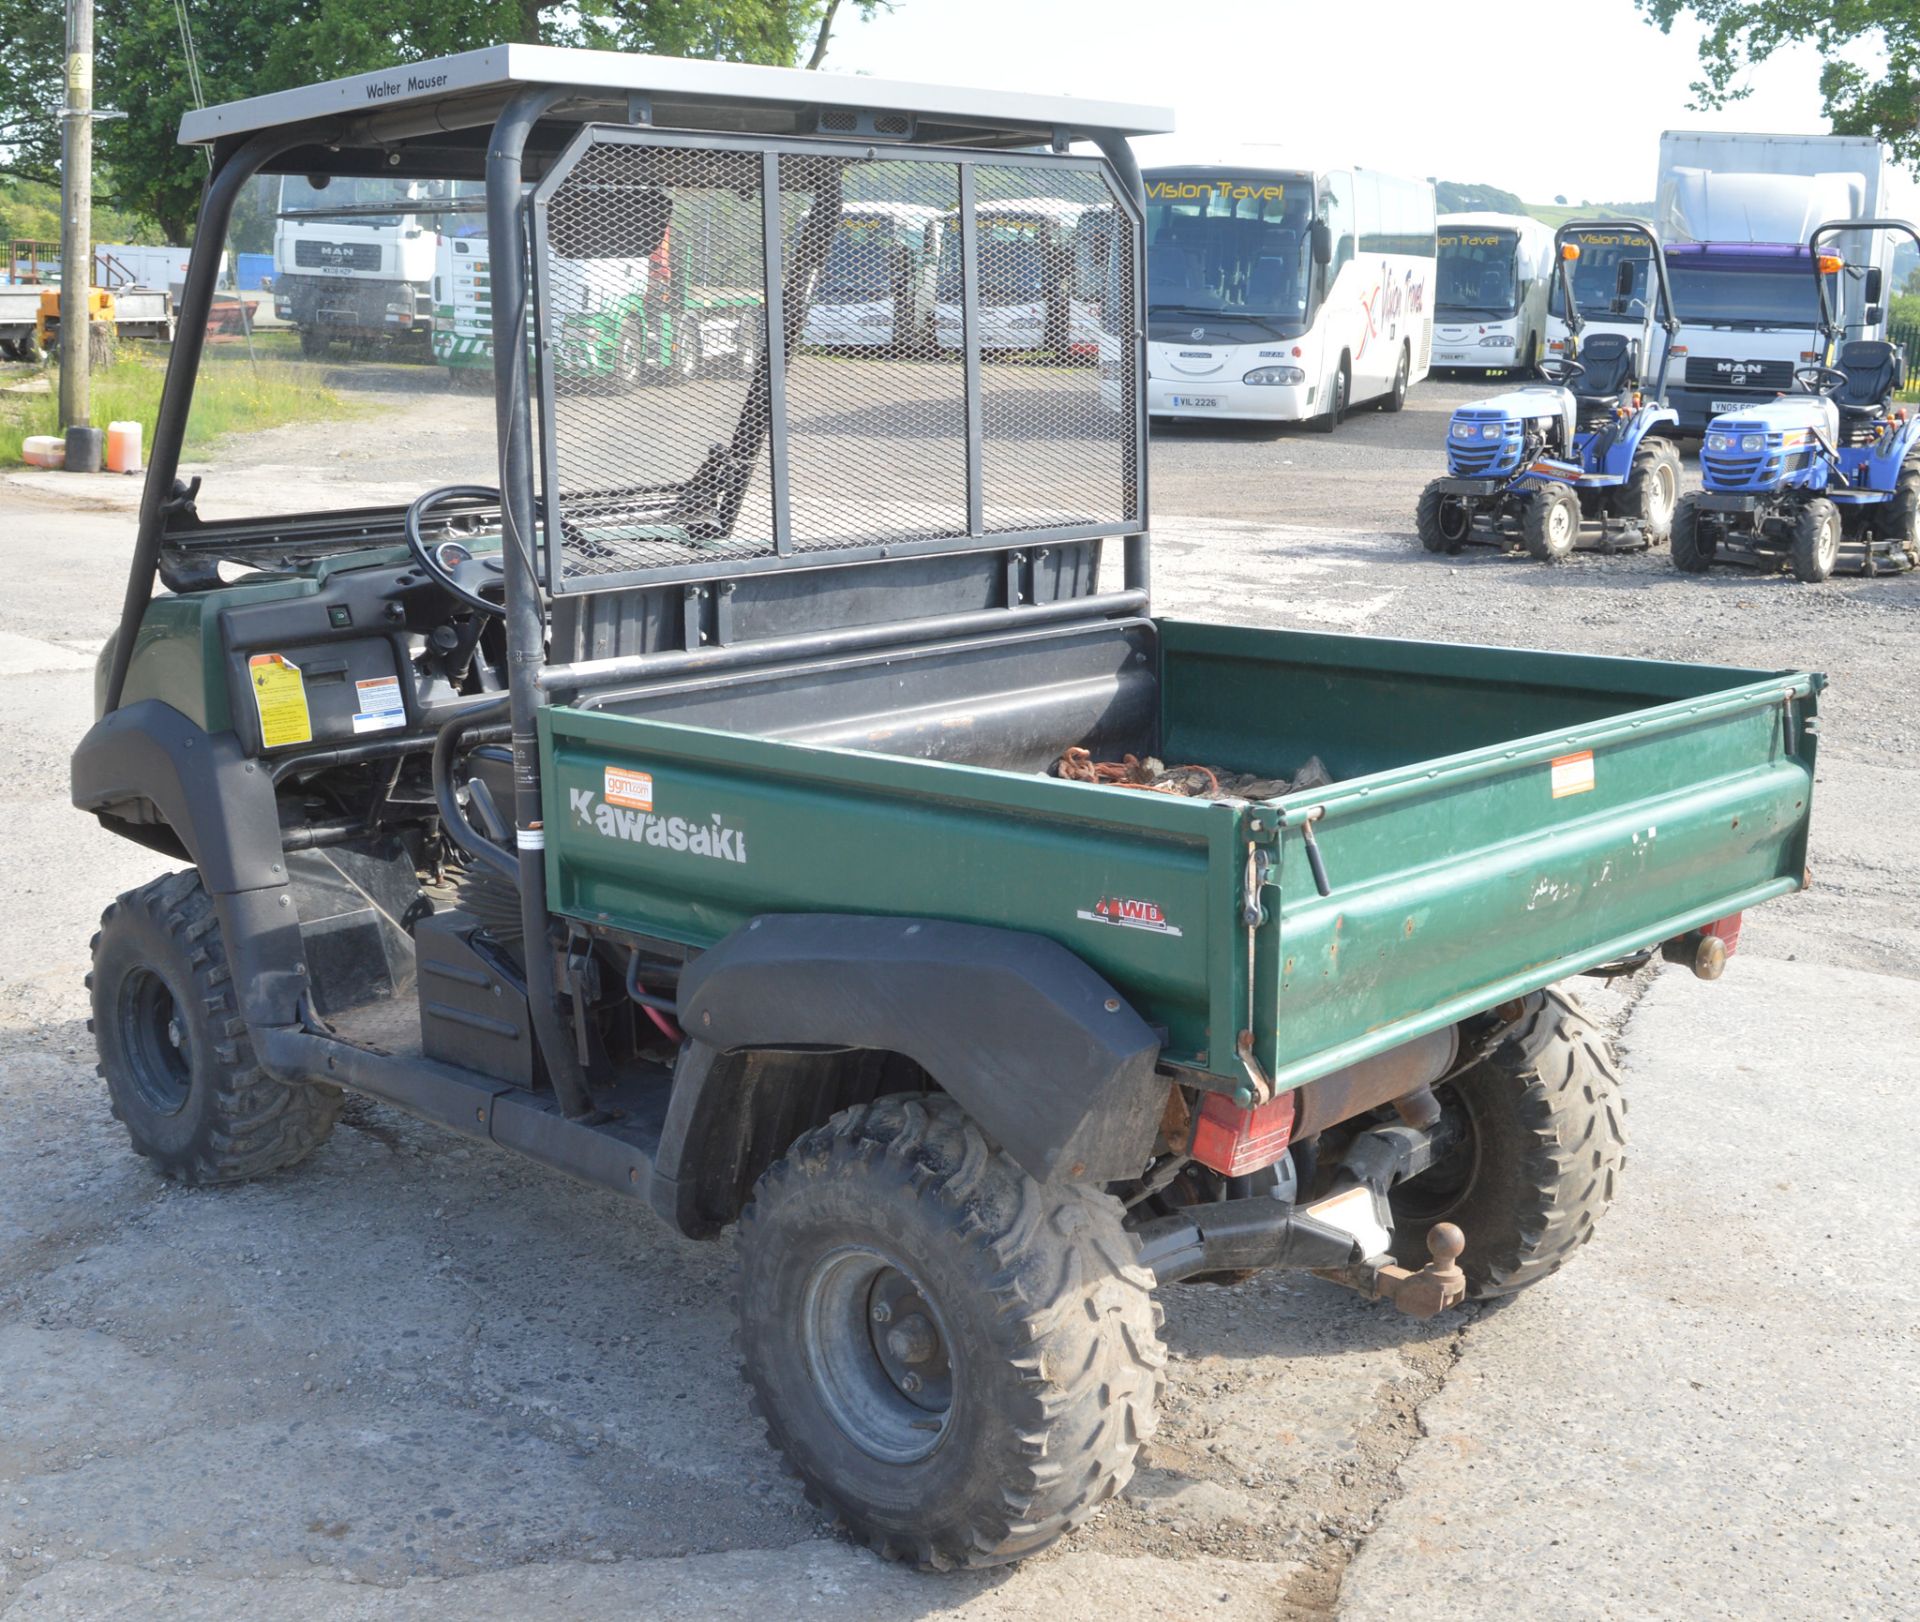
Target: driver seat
1612, 362
1875, 371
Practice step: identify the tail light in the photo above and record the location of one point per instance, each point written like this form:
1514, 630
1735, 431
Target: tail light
1235, 1141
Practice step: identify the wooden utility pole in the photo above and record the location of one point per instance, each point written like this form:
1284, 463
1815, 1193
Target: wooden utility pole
76, 218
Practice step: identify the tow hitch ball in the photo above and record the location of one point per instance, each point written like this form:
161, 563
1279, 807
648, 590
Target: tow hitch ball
1434, 1288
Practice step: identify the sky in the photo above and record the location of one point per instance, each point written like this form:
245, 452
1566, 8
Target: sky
1392, 84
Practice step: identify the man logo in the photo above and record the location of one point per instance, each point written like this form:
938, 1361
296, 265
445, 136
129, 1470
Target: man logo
1197, 334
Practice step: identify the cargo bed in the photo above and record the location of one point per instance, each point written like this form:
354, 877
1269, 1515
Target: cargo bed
1501, 818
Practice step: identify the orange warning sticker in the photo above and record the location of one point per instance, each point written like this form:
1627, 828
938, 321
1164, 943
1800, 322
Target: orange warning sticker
631, 789
1573, 774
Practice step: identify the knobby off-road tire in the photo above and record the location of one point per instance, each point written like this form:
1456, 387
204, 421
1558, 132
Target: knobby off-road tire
174, 1052
1693, 547
1442, 520
1544, 1147
1038, 1359
1898, 522
1816, 540
1652, 491
1550, 522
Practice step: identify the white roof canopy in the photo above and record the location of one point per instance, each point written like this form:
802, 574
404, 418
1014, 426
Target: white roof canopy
686, 94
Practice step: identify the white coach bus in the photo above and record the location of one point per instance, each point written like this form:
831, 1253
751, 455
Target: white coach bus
1490, 303
1286, 295
876, 288
1042, 273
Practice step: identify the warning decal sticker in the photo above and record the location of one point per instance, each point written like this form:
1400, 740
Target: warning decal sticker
1572, 774
1129, 914
280, 697
381, 707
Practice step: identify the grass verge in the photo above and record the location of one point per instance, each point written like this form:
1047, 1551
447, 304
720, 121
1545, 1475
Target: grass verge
232, 395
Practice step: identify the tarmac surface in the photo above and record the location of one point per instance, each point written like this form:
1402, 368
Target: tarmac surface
417, 1378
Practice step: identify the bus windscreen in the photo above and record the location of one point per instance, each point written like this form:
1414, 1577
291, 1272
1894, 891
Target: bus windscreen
1596, 273
1230, 247
1477, 275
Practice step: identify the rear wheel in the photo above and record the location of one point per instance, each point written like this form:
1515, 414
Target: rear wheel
1396, 399
1539, 1135
1442, 519
1338, 392
1898, 522
687, 355
1652, 490
179, 1068
959, 1361
1816, 540
1550, 522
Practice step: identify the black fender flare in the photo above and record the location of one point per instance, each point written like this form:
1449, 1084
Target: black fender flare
1049, 1060
217, 808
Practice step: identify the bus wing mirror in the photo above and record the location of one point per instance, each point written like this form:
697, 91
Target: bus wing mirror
1322, 243
1624, 278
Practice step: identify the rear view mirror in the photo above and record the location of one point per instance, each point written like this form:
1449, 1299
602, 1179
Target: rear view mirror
1322, 235
1873, 286
579, 227
1876, 313
1624, 278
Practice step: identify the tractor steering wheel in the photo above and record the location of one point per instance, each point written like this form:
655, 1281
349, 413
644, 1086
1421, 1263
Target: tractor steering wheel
1819, 379
1561, 368
449, 560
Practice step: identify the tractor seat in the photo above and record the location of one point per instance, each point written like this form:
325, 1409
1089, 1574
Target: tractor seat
1875, 370
1612, 362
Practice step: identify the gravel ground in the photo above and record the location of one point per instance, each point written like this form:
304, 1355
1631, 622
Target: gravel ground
417, 1378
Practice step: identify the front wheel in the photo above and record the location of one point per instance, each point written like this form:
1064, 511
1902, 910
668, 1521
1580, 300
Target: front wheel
1442, 519
959, 1361
313, 344
1693, 545
174, 1052
1342, 387
1539, 1137
1396, 399
1550, 523
1816, 540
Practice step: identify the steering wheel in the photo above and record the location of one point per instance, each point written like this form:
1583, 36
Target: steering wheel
1564, 368
449, 560
1819, 379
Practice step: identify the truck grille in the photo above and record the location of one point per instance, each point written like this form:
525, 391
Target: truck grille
1711, 371
309, 254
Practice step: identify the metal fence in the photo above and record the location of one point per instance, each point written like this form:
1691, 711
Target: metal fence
677, 441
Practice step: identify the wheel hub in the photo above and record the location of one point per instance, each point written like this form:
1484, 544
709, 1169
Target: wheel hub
155, 1040
878, 1353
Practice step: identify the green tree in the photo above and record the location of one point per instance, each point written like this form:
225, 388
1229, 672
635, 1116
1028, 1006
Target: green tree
1881, 100
248, 48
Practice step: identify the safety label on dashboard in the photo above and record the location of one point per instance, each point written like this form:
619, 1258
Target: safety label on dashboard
280, 697
380, 706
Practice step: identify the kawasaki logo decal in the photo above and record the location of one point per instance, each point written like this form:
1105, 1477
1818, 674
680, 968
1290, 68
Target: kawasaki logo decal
710, 838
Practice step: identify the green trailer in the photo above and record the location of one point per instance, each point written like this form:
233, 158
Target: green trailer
752, 804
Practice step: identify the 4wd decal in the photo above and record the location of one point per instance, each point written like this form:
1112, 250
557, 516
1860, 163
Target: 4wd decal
712, 837
1129, 914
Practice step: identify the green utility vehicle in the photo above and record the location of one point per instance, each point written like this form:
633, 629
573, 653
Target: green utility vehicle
727, 803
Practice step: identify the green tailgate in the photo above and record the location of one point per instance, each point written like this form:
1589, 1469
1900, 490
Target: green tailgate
1459, 878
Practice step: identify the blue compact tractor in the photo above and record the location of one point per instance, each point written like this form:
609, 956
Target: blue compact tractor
1586, 458
1826, 477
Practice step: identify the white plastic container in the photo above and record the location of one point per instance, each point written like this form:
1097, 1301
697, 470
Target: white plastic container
44, 450
123, 447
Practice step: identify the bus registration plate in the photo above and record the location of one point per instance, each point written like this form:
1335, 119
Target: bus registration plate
1195, 400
